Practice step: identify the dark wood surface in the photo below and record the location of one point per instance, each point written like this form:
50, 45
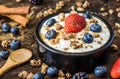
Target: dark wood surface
30, 41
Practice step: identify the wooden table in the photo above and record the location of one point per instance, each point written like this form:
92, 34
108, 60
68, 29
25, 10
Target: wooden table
31, 41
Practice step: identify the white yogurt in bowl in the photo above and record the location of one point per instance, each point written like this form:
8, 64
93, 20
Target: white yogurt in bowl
73, 43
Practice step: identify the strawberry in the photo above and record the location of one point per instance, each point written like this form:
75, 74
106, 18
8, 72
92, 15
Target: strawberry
115, 71
74, 23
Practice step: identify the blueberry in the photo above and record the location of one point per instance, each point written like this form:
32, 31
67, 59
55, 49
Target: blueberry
4, 54
100, 71
14, 30
87, 38
51, 22
52, 71
87, 15
95, 28
38, 75
15, 44
50, 34
80, 75
6, 27
36, 1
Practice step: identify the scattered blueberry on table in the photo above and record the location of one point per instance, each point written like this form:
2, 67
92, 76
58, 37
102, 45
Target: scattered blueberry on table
87, 15
95, 27
51, 22
6, 27
15, 44
35, 1
87, 38
100, 71
38, 75
14, 30
4, 54
51, 34
52, 71
80, 75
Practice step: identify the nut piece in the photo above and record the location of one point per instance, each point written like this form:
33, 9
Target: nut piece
114, 47
30, 76
118, 9
86, 4
104, 13
80, 9
35, 62
19, 1
61, 16
60, 73
61, 78
111, 11
93, 20
118, 14
23, 74
59, 5
68, 75
58, 26
5, 43
102, 9
39, 15
117, 25
44, 68
79, 4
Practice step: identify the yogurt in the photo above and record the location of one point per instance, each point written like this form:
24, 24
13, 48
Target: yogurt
73, 43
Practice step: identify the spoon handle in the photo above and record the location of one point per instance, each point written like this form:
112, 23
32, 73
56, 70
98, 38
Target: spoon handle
6, 67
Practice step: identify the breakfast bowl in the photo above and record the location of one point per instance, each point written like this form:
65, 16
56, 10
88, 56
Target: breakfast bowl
71, 51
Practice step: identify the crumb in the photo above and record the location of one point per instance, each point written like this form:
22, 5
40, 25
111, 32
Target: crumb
5, 43
114, 47
44, 68
54, 41
96, 35
61, 78
39, 15
61, 16
118, 9
118, 15
75, 44
35, 62
31, 15
65, 48
23, 74
13, 23
104, 14
68, 75
102, 9
79, 4
111, 11
47, 27
86, 4
19, 1
30, 76
60, 73
59, 5
93, 20
99, 42
80, 9
117, 25
58, 26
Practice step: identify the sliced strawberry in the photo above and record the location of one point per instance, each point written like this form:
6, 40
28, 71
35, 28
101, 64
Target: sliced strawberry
115, 71
74, 23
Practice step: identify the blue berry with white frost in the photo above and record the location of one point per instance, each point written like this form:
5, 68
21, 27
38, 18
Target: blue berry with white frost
15, 44
52, 71
6, 27
95, 27
87, 38
51, 34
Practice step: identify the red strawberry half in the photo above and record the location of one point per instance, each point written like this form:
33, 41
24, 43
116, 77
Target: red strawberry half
115, 72
74, 23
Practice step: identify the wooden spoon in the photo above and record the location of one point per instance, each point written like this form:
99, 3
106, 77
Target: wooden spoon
16, 58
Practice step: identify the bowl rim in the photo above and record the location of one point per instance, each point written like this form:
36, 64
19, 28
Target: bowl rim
41, 42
